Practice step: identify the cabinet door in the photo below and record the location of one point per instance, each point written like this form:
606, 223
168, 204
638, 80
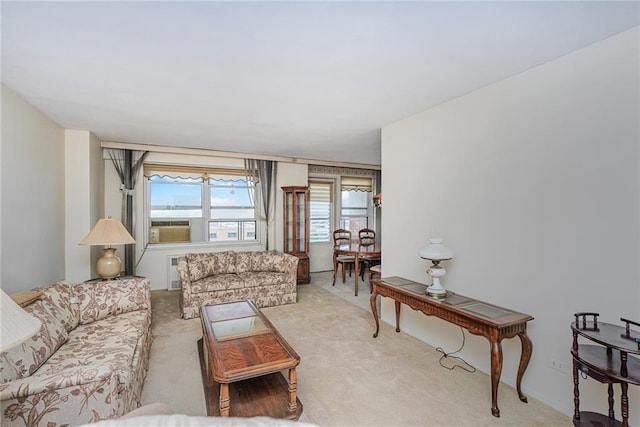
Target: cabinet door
289, 223
301, 208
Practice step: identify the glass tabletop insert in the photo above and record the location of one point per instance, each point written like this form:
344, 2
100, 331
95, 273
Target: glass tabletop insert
236, 328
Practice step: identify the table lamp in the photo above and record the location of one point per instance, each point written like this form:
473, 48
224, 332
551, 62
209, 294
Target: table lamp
436, 252
107, 232
17, 325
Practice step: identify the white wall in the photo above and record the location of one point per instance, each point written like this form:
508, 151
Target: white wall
31, 197
83, 190
534, 184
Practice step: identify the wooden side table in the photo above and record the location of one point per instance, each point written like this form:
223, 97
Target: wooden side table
607, 362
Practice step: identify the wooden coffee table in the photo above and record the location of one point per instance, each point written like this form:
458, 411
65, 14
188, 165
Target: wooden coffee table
242, 356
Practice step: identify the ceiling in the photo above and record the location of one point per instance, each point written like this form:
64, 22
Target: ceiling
313, 80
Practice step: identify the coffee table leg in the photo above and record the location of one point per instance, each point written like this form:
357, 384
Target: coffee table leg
293, 390
224, 400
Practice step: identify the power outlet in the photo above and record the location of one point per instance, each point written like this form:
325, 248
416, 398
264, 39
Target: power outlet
559, 365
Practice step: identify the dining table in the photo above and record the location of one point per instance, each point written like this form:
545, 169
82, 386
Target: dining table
357, 251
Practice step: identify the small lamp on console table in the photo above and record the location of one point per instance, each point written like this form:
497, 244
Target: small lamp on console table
436, 252
107, 232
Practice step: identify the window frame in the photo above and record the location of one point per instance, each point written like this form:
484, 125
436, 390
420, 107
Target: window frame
206, 218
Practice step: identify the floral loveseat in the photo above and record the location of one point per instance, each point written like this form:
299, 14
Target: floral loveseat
267, 277
89, 359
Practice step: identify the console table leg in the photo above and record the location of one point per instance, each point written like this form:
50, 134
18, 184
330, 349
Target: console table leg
525, 357
496, 371
397, 316
374, 310
224, 400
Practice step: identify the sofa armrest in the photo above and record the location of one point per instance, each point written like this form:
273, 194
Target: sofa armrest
71, 377
101, 299
183, 274
291, 266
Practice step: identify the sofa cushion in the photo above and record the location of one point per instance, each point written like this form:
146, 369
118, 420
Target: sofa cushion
58, 299
211, 263
101, 299
269, 261
262, 278
110, 342
219, 282
27, 357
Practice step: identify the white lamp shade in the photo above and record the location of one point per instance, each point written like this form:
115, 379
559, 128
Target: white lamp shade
16, 324
436, 250
108, 231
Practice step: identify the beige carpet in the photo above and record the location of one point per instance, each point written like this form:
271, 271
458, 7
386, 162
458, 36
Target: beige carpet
346, 377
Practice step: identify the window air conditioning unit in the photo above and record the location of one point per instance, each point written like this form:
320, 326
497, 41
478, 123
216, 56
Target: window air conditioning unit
170, 231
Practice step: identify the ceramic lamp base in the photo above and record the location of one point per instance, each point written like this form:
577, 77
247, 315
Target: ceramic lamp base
108, 267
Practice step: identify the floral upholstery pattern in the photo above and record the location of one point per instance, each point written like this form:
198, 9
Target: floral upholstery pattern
267, 277
99, 370
99, 300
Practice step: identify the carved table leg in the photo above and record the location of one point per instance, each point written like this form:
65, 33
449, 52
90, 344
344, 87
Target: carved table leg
576, 392
292, 382
625, 405
397, 316
357, 271
496, 371
374, 310
611, 401
525, 357
224, 400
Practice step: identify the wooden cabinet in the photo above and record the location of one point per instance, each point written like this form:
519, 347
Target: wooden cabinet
607, 358
296, 228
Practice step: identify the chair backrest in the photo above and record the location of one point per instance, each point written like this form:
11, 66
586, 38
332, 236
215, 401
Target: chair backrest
367, 237
341, 237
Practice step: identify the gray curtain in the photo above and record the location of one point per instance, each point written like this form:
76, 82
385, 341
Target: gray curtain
128, 164
263, 173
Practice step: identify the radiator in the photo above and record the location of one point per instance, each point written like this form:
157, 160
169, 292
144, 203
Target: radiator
173, 281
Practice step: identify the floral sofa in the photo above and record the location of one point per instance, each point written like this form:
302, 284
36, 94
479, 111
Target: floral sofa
89, 359
267, 277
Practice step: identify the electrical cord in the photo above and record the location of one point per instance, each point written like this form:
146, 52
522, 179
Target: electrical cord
458, 362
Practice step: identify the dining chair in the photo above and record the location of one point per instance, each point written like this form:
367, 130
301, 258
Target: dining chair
342, 237
367, 237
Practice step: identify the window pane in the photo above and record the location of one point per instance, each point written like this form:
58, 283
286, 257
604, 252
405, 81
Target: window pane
354, 213
230, 199
175, 198
231, 230
320, 211
352, 199
220, 231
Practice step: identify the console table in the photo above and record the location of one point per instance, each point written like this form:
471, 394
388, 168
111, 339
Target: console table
608, 362
478, 317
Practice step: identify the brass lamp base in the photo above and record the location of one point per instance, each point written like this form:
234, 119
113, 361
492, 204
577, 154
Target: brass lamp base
439, 295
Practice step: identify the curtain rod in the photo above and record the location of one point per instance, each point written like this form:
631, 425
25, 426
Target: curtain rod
229, 154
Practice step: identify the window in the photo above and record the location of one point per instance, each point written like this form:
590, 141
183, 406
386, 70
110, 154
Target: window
320, 207
356, 202
217, 203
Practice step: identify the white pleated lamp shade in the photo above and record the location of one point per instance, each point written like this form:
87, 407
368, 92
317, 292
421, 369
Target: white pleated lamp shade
108, 231
16, 325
